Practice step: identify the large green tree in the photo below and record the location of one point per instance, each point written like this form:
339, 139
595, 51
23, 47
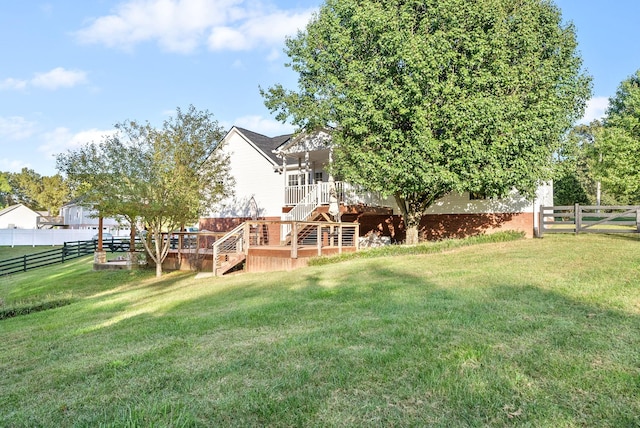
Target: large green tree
619, 143
428, 97
159, 178
36, 191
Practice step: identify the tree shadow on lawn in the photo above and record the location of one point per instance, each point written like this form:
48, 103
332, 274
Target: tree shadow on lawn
378, 344
393, 347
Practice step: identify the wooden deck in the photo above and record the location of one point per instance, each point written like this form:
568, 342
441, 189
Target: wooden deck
252, 246
259, 259
278, 258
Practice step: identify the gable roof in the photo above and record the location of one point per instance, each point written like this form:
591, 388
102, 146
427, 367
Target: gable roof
320, 139
265, 144
14, 207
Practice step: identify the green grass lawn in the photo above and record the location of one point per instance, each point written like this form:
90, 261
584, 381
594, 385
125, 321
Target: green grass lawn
8, 252
541, 332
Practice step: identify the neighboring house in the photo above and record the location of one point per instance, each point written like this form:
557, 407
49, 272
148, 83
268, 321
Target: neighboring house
75, 216
286, 178
18, 216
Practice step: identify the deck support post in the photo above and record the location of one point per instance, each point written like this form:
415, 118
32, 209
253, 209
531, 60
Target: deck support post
215, 260
294, 240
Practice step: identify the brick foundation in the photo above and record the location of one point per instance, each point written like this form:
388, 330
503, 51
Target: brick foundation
442, 226
432, 227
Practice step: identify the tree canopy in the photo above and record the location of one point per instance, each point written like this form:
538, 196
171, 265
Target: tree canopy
161, 178
34, 190
428, 97
576, 179
618, 143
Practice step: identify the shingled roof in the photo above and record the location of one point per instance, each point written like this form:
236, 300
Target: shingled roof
264, 143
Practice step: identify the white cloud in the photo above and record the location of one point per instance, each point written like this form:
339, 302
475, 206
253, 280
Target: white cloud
62, 139
11, 83
264, 30
265, 126
11, 165
596, 108
16, 128
53, 79
59, 78
184, 25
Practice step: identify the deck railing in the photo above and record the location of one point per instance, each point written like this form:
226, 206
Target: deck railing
346, 193
304, 234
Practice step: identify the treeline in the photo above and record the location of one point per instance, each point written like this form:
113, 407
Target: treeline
599, 162
38, 192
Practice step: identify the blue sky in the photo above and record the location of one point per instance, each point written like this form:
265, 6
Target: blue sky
71, 69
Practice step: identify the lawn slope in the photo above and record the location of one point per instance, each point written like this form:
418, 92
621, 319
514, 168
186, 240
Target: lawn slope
530, 332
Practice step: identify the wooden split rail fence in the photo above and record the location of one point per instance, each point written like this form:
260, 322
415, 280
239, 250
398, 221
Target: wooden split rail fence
589, 219
70, 250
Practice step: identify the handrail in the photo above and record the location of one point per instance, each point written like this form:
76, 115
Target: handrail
347, 193
231, 243
300, 212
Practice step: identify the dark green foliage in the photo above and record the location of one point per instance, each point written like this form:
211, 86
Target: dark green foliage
25, 309
434, 96
619, 143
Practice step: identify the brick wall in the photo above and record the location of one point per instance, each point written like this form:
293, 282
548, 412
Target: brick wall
442, 226
432, 226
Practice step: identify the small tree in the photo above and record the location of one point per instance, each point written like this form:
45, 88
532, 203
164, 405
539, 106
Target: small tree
575, 179
163, 178
428, 97
619, 143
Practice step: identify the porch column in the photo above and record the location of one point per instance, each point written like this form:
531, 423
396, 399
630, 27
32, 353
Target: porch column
306, 167
284, 174
330, 178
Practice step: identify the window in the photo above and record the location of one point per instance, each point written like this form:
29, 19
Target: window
317, 177
296, 180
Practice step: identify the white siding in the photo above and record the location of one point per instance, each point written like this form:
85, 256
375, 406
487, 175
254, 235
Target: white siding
456, 203
79, 217
254, 177
20, 217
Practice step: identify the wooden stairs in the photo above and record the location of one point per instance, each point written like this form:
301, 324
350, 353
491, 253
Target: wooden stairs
309, 233
227, 262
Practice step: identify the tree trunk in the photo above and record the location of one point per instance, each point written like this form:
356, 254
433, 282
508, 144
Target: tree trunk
412, 227
132, 238
411, 218
159, 258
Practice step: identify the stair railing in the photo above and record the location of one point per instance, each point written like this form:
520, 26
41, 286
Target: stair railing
234, 242
301, 211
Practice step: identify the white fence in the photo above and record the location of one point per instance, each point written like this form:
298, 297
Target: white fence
33, 237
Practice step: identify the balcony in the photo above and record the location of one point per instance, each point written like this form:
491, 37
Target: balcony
346, 193
50, 221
